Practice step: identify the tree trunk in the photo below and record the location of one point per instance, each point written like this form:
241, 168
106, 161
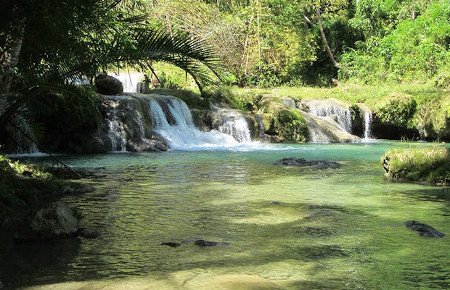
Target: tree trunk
325, 41
9, 57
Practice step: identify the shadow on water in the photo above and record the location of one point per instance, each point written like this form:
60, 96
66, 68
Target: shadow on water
26, 263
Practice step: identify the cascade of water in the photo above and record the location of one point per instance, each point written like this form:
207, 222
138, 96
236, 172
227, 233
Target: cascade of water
116, 132
183, 134
367, 124
234, 124
329, 109
159, 118
180, 111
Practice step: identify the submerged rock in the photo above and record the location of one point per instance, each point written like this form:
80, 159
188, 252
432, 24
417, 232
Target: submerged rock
88, 233
204, 243
171, 244
56, 220
76, 188
424, 230
301, 162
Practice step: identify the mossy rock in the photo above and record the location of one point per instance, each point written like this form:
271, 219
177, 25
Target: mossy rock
424, 165
284, 124
291, 126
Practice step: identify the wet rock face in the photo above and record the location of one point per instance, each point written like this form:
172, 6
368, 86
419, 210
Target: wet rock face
424, 230
108, 85
301, 162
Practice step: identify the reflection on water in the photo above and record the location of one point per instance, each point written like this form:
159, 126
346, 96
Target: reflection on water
285, 228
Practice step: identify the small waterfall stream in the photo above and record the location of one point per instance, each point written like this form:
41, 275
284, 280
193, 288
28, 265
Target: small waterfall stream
234, 124
367, 125
116, 132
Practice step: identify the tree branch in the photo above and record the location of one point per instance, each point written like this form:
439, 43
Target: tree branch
324, 39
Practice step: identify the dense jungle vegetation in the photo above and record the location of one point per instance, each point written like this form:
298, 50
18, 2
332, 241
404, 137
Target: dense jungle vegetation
46, 45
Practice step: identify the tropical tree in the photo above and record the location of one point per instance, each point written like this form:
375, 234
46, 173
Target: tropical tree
46, 45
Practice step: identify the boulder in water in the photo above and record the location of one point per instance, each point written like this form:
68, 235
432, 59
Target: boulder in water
108, 85
424, 230
205, 243
301, 162
171, 244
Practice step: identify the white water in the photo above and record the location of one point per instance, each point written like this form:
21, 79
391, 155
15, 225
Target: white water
234, 124
183, 135
367, 125
116, 132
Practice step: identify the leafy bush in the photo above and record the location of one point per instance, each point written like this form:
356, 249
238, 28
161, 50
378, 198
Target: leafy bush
431, 164
76, 110
415, 50
396, 109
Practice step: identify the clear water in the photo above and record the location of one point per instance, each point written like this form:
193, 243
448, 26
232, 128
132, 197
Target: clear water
286, 228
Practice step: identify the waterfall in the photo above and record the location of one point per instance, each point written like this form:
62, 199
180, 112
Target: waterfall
332, 110
144, 122
183, 135
116, 132
367, 124
234, 124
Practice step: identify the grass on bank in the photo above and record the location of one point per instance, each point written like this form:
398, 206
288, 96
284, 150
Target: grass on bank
430, 165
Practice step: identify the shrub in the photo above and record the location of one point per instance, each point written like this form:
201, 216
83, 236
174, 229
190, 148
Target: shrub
396, 109
431, 164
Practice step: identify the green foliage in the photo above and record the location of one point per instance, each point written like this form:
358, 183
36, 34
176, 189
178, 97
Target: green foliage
172, 77
397, 109
192, 99
431, 164
75, 109
408, 50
